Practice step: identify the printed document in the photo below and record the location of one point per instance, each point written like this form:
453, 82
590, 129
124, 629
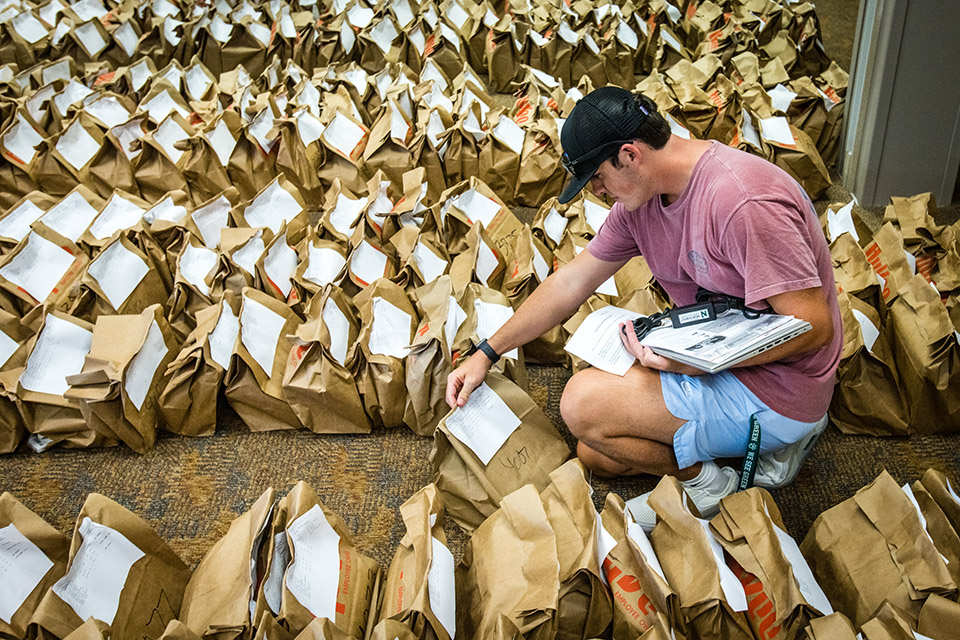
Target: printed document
260, 330
324, 266
314, 576
38, 267
597, 340
59, 352
484, 423
22, 566
490, 317
143, 367
223, 338
118, 271
390, 333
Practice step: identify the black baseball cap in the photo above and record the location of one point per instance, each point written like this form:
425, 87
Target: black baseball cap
601, 122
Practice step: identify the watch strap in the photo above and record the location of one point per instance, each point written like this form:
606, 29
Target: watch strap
488, 351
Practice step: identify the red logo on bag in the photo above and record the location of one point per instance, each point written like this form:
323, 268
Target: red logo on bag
874, 257
621, 583
759, 607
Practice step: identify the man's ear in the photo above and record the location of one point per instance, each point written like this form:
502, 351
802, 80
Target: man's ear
630, 152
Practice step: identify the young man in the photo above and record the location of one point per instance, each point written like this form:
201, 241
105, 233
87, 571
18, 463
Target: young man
702, 215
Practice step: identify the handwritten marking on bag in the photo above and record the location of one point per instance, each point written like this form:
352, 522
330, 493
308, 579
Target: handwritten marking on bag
516, 461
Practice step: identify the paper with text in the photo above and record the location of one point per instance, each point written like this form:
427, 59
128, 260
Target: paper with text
554, 225
211, 219
195, 264
490, 317
222, 141
38, 267
338, 326
777, 129
59, 352
16, 224
21, 139
597, 340
119, 213
260, 331
325, 265
390, 332
22, 566
98, 572
118, 271
167, 211
71, 216
345, 212
344, 135
272, 208
273, 585
314, 577
368, 263
280, 263
143, 367
246, 256
484, 423
441, 587
486, 262
478, 207
167, 135
77, 146
108, 110
223, 338
430, 264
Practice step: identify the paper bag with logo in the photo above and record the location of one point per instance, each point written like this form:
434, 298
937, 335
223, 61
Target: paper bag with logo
386, 328
188, 402
877, 528
47, 413
36, 554
419, 590
499, 441
854, 273
253, 384
45, 268
868, 397
712, 599
499, 574
316, 569
120, 572
888, 258
123, 374
782, 594
927, 354
640, 593
217, 599
319, 380
584, 608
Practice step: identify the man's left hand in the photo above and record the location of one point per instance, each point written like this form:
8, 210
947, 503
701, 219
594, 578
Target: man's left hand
647, 358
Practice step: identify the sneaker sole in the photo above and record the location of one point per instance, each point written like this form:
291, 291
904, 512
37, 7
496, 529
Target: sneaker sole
805, 452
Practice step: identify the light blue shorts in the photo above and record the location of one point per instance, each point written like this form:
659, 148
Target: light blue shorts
717, 409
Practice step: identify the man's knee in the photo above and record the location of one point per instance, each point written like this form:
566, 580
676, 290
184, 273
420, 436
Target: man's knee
578, 404
598, 463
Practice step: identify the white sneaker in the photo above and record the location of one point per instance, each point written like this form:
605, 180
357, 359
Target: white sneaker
779, 468
707, 500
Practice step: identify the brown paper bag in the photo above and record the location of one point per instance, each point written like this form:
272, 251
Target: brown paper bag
123, 375
195, 266
216, 601
712, 599
20, 269
323, 629
278, 203
418, 590
472, 488
584, 608
938, 527
238, 253
890, 623
387, 321
188, 402
939, 617
176, 630
254, 381
832, 627
39, 550
766, 561
115, 552
499, 576
541, 174
877, 528
854, 273
499, 156
356, 576
886, 255
928, 357
319, 379
641, 595
940, 489
16, 219
480, 262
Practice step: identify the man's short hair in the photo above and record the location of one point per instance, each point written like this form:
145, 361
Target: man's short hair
654, 130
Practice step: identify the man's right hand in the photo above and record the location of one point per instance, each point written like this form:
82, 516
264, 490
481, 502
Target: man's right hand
465, 378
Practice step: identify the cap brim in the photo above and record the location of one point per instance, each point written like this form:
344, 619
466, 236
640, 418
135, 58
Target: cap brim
575, 186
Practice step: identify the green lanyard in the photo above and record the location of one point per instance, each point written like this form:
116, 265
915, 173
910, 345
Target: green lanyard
749, 469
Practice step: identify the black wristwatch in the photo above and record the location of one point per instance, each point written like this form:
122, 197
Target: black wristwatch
488, 351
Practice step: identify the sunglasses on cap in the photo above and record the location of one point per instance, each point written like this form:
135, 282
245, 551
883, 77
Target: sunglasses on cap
588, 162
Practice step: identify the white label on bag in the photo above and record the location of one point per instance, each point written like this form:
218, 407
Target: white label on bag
627, 36
367, 263
93, 585
273, 207
88, 10
338, 327
56, 71
478, 207
22, 566
868, 330
401, 9
161, 105
222, 141
441, 587
16, 224
59, 352
509, 133
197, 81
223, 338
456, 15
38, 267
119, 213
484, 423
605, 544
163, 8
490, 317
49, 12
173, 75
35, 102
8, 346
195, 264
28, 27
71, 216
314, 577
211, 219
749, 131
432, 72
139, 75
777, 129
359, 16
841, 221
260, 32
430, 264
456, 316
260, 331
487, 262
108, 110
430, 15
597, 340
636, 533
324, 266
806, 581
91, 38
676, 128
309, 127
280, 264
127, 38
273, 585
220, 29
781, 98
126, 134
167, 211
347, 37
143, 367
246, 256
596, 214
732, 588
260, 129
344, 135
118, 271
390, 332
450, 36
21, 139
73, 93
383, 34
554, 225
167, 135
419, 42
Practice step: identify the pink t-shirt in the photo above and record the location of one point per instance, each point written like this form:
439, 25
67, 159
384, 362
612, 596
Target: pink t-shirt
745, 228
